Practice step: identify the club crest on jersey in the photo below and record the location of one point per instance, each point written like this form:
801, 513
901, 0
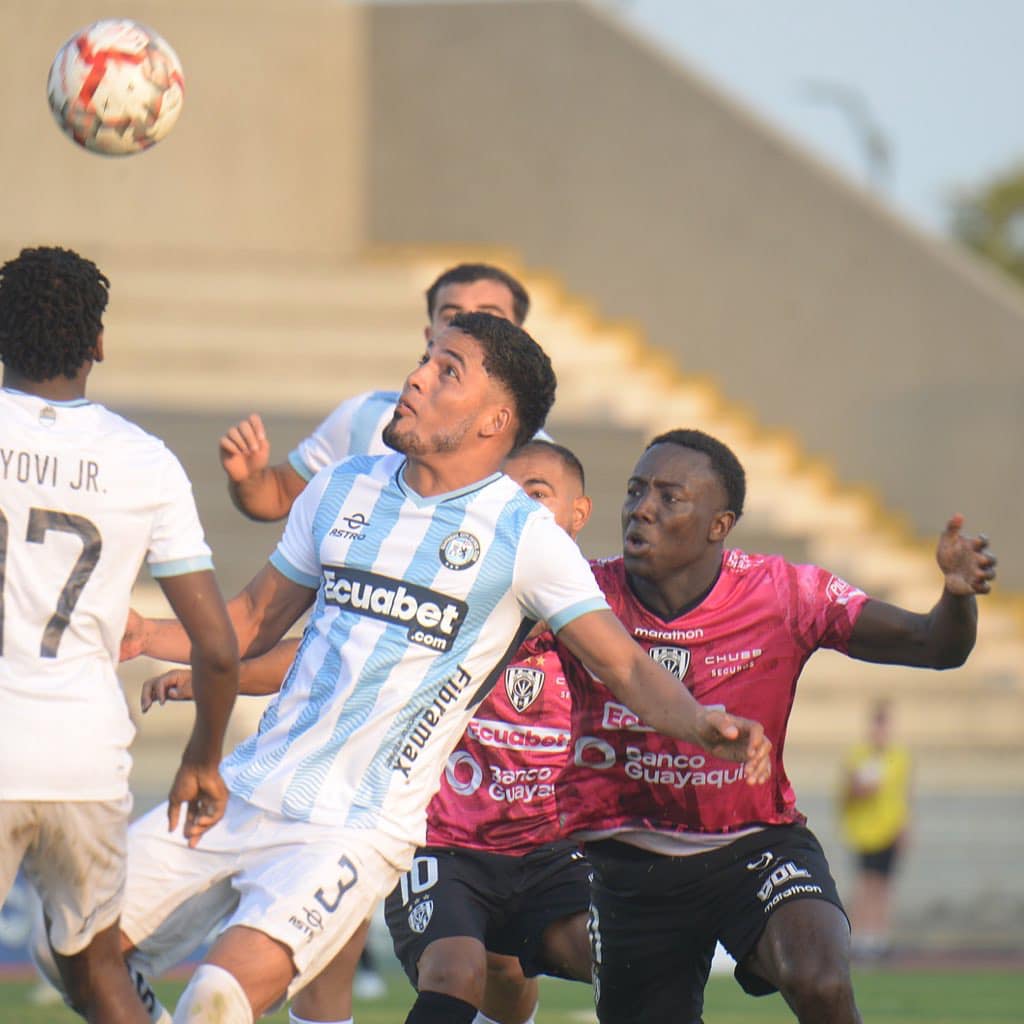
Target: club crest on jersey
523, 686
420, 915
675, 659
459, 550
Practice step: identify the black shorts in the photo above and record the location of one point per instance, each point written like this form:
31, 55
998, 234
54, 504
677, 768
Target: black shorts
504, 901
654, 920
879, 862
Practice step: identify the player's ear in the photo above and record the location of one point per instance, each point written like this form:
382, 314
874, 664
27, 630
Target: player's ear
581, 509
499, 420
97, 349
721, 524
427, 331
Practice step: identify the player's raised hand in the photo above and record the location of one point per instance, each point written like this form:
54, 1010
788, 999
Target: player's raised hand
966, 562
202, 789
176, 684
245, 449
737, 739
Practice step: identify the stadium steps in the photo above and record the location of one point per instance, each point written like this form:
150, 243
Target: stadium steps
192, 348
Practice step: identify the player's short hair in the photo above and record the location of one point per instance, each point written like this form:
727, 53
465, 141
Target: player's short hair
723, 462
565, 456
514, 358
51, 312
467, 273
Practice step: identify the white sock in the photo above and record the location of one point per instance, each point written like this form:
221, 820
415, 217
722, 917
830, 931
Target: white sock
213, 996
157, 1013
482, 1018
294, 1018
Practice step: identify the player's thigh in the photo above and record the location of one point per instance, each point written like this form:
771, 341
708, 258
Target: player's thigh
18, 827
445, 894
768, 873
175, 894
77, 865
311, 888
552, 908
649, 966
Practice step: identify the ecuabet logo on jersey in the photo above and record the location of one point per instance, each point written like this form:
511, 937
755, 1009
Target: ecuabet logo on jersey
420, 915
433, 619
459, 550
675, 659
523, 686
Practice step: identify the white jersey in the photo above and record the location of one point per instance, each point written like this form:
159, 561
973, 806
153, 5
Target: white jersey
420, 602
354, 428
85, 495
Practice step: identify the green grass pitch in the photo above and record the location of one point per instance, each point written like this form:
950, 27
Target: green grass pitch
884, 997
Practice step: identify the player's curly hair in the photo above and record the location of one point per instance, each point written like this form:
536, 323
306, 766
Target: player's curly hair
467, 273
514, 358
51, 312
723, 462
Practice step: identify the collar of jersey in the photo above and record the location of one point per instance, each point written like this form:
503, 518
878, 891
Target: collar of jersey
420, 502
66, 403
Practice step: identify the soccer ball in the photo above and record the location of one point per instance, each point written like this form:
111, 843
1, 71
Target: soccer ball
116, 87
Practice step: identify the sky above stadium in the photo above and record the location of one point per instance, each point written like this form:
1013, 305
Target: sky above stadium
934, 80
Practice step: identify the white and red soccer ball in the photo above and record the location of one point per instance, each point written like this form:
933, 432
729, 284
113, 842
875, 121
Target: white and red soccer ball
116, 87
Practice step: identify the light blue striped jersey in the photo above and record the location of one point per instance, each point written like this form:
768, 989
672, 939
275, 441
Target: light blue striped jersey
354, 428
419, 604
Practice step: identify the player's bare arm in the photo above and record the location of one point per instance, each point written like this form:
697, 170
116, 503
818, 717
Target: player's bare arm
647, 689
196, 600
259, 490
943, 637
257, 677
261, 614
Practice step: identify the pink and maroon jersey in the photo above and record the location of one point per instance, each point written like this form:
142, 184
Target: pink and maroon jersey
742, 647
498, 789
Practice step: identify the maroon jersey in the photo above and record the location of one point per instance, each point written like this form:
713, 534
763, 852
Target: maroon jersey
498, 789
742, 648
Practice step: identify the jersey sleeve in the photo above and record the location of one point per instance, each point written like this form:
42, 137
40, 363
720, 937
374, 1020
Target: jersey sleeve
176, 544
297, 554
827, 608
353, 428
552, 581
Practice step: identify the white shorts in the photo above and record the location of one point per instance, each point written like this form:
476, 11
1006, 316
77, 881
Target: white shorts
73, 854
308, 886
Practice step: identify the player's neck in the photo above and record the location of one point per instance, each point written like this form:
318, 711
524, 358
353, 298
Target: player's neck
56, 389
445, 473
681, 591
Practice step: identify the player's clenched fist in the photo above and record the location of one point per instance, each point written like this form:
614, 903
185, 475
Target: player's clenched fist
966, 562
245, 449
736, 739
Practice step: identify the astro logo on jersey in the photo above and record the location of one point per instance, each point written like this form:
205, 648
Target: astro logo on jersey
434, 619
523, 686
675, 659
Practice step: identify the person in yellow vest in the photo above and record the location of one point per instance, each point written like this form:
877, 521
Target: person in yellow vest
875, 814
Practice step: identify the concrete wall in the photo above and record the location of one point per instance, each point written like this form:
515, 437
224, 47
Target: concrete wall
547, 128
265, 162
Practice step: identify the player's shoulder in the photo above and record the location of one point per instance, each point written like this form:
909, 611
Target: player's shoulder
609, 572
366, 400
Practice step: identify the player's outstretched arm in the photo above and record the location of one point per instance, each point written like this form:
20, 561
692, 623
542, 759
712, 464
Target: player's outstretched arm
257, 677
261, 614
944, 637
196, 599
258, 490
610, 653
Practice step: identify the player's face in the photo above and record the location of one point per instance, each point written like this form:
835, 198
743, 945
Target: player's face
546, 478
674, 512
475, 297
446, 398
